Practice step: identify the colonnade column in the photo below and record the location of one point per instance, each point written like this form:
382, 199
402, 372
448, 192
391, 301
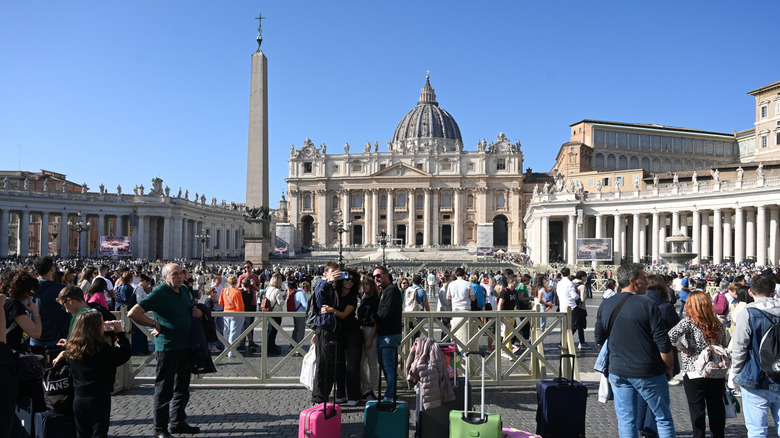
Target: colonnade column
761, 240
654, 237
322, 222
571, 240
64, 235
662, 234
390, 212
704, 248
44, 251
739, 235
410, 202
374, 215
545, 250
635, 247
24, 233
617, 256
458, 226
427, 217
717, 236
774, 221
727, 237
696, 231
599, 232
642, 236
750, 235
4, 214
139, 232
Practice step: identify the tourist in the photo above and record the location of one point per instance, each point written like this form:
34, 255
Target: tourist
301, 302
54, 320
173, 313
568, 297
233, 301
461, 294
278, 303
698, 330
93, 363
325, 294
85, 281
544, 294
369, 368
609, 289
445, 304
124, 291
247, 296
388, 319
97, 293
349, 338
250, 303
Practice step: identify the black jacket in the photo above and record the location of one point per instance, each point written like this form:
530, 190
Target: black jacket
388, 315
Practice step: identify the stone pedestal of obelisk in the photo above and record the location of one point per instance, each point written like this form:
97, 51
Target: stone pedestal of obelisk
257, 232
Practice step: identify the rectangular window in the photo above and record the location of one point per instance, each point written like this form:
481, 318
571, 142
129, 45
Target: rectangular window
598, 136
777, 140
501, 164
777, 108
219, 238
419, 217
619, 180
357, 167
446, 200
644, 140
445, 217
611, 138
622, 139
471, 167
590, 183
763, 141
605, 182
446, 165
573, 158
418, 166
382, 166
763, 111
307, 167
633, 141
335, 168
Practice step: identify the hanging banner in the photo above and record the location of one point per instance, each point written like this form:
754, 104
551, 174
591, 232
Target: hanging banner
594, 249
115, 246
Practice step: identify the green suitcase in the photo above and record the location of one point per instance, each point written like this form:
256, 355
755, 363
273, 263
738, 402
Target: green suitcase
475, 424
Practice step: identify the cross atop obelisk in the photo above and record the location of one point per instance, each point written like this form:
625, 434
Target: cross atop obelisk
259, 19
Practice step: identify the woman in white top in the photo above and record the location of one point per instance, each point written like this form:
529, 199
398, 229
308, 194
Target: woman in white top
279, 303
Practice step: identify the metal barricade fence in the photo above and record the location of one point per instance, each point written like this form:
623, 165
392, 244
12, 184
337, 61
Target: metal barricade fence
530, 364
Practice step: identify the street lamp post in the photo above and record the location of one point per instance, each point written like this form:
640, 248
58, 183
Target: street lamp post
383, 238
79, 226
340, 227
203, 236
55, 231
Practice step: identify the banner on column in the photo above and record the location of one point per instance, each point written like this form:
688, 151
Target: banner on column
594, 249
115, 246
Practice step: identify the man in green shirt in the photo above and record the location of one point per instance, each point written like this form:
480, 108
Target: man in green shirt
173, 313
71, 298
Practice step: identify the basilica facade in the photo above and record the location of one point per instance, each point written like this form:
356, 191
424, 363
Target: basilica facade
425, 190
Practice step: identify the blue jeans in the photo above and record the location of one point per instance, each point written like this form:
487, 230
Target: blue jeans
682, 308
389, 360
654, 390
756, 403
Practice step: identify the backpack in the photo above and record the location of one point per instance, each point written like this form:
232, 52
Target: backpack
265, 303
769, 349
291, 300
312, 310
713, 362
410, 299
720, 304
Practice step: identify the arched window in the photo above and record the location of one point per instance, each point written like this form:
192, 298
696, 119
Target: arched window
420, 202
611, 162
357, 201
599, 161
500, 201
667, 165
307, 202
656, 165
401, 200
646, 163
634, 163
446, 200
622, 162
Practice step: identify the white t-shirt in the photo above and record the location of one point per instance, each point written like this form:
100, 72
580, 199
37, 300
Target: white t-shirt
460, 293
109, 285
677, 285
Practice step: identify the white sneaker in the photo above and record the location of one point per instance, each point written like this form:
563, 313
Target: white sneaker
583, 347
352, 403
341, 400
674, 382
507, 356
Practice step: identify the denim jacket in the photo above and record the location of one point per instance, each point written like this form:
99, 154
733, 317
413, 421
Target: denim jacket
751, 326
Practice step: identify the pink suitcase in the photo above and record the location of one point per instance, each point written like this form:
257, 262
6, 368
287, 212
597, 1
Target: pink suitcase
511, 432
320, 421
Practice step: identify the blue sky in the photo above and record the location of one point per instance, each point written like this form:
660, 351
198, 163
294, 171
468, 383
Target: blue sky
121, 92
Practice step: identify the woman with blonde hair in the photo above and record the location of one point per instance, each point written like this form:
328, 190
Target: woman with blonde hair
698, 330
93, 363
232, 301
278, 302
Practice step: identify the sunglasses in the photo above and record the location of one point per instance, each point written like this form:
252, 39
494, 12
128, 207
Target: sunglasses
377, 275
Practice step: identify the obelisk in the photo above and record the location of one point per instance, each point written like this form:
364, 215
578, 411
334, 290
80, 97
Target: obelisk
257, 232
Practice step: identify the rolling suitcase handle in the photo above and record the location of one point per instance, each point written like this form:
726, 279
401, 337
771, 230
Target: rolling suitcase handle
386, 406
325, 403
482, 417
560, 377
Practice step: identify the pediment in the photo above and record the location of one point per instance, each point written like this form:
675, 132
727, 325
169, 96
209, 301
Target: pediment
401, 169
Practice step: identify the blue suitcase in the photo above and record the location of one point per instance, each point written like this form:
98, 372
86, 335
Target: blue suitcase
54, 425
561, 405
384, 419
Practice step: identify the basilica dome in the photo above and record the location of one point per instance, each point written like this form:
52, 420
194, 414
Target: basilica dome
427, 125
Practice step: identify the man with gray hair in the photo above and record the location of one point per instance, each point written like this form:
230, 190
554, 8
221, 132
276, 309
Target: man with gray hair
173, 312
640, 353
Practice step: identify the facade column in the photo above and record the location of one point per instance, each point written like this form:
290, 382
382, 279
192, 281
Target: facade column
642, 236
696, 231
346, 216
599, 226
739, 235
322, 218
545, 250
571, 240
761, 235
750, 235
684, 229
519, 231
427, 217
717, 236
24, 233
458, 226
654, 238
367, 219
44, 251
101, 226
435, 218
140, 238
774, 221
482, 204
374, 215
390, 212
616, 231
411, 205
675, 223
635, 238
4, 215
704, 248
727, 237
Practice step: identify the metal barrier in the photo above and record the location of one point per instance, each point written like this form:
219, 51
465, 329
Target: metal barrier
524, 369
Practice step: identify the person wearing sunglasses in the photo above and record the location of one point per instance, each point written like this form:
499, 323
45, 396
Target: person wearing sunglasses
389, 323
349, 350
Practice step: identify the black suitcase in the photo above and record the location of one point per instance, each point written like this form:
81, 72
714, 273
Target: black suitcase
435, 422
53, 425
560, 412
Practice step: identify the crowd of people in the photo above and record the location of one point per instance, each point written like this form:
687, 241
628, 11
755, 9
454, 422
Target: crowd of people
356, 317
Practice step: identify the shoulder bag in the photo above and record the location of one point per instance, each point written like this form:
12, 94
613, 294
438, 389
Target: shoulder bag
602, 361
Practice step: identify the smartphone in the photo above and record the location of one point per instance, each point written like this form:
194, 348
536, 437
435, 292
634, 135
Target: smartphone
344, 275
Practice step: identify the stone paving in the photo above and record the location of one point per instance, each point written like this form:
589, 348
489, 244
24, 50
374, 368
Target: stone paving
272, 410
